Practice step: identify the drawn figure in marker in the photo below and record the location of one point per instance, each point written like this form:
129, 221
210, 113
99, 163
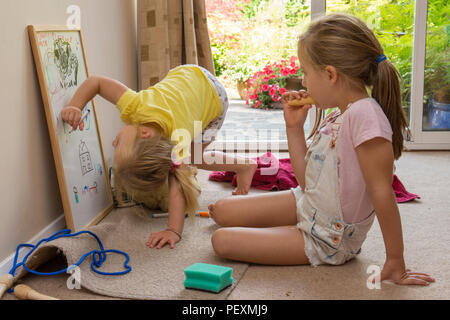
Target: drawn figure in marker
99, 169
93, 188
75, 191
87, 121
85, 158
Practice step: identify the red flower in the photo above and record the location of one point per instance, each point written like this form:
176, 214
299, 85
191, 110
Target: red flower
265, 84
285, 72
268, 70
293, 61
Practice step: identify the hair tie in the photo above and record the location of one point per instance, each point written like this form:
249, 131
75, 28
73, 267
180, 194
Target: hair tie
174, 166
381, 58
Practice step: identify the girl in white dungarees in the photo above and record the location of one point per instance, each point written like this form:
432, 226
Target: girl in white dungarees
344, 174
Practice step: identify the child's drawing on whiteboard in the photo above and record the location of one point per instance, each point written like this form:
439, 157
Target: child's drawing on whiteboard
87, 121
99, 169
75, 191
66, 62
93, 188
85, 158
61, 66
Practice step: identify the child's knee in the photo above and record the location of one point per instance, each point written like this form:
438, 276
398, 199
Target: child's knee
219, 213
220, 242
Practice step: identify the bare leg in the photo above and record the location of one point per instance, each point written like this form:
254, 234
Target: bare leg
259, 229
244, 167
273, 246
263, 210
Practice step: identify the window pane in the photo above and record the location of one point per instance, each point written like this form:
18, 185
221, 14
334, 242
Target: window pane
436, 106
393, 24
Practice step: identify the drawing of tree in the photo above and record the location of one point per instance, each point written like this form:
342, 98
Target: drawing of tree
66, 62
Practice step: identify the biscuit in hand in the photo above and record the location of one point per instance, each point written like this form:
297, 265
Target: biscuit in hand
301, 102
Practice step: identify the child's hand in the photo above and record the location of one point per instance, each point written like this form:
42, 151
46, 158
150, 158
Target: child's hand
294, 116
72, 115
394, 270
161, 238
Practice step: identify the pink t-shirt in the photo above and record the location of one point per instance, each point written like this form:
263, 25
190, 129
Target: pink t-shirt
362, 121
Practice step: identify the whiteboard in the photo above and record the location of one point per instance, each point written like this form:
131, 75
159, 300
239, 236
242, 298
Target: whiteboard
80, 164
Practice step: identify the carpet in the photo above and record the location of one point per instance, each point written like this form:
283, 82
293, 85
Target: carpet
156, 273
425, 224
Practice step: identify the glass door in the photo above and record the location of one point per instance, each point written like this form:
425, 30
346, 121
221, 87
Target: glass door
430, 121
392, 21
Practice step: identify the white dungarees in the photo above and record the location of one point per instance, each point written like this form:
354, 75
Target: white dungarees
328, 239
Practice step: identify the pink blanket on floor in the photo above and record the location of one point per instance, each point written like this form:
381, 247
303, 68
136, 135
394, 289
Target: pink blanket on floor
400, 192
267, 177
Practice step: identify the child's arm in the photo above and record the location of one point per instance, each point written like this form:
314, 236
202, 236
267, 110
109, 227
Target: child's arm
376, 159
175, 225
297, 151
107, 88
295, 118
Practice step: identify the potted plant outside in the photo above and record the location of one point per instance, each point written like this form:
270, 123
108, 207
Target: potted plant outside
266, 86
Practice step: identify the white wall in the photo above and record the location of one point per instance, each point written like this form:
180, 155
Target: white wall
29, 191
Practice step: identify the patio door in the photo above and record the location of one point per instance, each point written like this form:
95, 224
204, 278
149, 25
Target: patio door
416, 37
430, 116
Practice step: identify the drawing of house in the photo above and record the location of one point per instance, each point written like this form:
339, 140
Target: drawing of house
85, 158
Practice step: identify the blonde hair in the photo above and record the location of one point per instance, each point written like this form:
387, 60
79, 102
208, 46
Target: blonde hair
346, 43
143, 172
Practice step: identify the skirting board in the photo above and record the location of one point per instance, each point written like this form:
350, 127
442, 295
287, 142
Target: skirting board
57, 225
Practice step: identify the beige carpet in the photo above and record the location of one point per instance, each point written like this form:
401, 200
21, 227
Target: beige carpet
426, 225
156, 273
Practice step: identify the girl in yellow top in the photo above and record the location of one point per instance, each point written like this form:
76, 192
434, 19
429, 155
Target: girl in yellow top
168, 127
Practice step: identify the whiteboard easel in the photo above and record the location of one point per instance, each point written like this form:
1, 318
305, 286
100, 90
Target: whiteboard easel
61, 67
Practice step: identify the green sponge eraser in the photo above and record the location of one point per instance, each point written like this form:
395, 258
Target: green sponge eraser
207, 277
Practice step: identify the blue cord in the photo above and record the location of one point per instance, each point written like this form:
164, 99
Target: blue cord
98, 256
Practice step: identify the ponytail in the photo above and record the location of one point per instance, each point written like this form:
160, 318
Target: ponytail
386, 91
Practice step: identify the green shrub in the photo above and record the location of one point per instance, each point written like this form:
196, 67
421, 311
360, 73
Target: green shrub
219, 56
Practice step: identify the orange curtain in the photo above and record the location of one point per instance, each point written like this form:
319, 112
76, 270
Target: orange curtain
172, 33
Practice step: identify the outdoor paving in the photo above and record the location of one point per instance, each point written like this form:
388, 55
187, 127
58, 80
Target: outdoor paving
243, 122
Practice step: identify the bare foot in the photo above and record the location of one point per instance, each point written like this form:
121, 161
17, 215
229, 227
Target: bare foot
211, 210
244, 178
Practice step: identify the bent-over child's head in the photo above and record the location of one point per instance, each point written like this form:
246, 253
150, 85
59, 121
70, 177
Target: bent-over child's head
143, 163
352, 49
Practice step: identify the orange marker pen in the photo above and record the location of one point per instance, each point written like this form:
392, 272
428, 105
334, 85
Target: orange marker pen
204, 214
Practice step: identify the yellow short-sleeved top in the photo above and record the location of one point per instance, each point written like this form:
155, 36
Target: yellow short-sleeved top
184, 96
